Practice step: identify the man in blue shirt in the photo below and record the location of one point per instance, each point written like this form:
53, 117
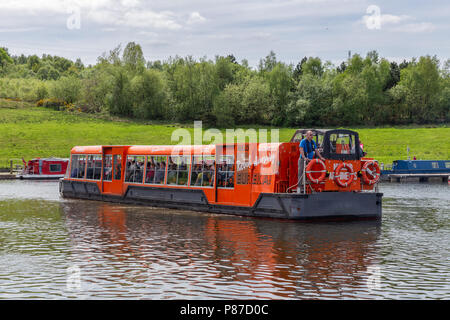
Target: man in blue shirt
307, 150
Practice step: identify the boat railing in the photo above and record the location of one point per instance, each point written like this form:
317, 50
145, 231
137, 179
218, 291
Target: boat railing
16, 166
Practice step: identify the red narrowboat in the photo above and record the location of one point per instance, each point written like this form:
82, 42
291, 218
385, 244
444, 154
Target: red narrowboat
251, 179
45, 168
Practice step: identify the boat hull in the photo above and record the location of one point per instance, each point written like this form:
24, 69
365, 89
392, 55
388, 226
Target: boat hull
324, 205
39, 176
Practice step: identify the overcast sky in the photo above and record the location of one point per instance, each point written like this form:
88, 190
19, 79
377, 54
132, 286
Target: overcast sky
249, 29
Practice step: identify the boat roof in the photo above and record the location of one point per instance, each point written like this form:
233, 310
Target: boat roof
169, 149
50, 159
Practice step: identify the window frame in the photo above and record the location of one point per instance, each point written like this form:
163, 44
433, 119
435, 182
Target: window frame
165, 171
212, 157
142, 170
104, 167
78, 155
218, 164
188, 169
94, 167
54, 164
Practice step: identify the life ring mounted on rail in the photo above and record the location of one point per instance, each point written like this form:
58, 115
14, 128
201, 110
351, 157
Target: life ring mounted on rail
313, 167
371, 172
348, 178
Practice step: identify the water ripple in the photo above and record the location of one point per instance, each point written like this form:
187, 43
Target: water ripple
59, 249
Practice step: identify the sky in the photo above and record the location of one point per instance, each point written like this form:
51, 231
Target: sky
248, 29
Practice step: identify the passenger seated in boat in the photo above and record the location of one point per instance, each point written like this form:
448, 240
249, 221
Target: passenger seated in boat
108, 174
139, 172
208, 178
118, 171
97, 172
230, 181
160, 173
82, 166
74, 173
150, 173
131, 168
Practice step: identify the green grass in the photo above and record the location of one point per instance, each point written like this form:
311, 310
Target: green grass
28, 131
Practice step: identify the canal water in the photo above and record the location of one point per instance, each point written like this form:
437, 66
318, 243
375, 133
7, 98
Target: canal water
52, 248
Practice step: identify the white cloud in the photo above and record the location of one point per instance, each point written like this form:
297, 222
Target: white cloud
195, 17
416, 27
393, 19
144, 19
397, 23
130, 3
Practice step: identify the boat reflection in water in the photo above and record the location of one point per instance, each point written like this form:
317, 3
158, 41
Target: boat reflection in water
159, 253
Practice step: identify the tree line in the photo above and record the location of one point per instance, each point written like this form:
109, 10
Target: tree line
224, 92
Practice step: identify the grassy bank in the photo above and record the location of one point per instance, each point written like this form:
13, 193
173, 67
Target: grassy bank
28, 131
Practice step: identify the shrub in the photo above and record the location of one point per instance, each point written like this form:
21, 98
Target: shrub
66, 89
54, 104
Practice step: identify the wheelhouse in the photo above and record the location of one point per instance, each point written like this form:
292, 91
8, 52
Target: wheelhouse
334, 144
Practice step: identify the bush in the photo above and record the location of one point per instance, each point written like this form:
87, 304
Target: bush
66, 89
148, 95
54, 104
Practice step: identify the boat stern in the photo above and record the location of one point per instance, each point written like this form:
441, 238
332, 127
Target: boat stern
331, 205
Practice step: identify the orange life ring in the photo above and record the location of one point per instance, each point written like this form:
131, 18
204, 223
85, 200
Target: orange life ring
311, 168
370, 176
337, 175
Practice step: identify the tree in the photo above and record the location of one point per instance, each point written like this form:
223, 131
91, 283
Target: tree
66, 89
280, 83
149, 96
313, 66
419, 90
311, 102
34, 63
47, 72
133, 58
79, 64
298, 71
4, 58
224, 70
268, 63
394, 76
119, 100
256, 102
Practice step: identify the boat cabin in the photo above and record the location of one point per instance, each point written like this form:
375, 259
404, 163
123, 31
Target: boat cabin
44, 168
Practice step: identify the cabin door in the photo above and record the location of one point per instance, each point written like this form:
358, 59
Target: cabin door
112, 174
225, 174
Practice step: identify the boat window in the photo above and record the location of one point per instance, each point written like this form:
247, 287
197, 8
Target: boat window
78, 166
156, 169
55, 167
107, 167
134, 172
435, 165
342, 143
225, 171
117, 162
178, 170
202, 174
94, 167
447, 165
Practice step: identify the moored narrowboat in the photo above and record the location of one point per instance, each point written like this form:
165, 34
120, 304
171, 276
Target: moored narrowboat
420, 170
250, 179
44, 168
